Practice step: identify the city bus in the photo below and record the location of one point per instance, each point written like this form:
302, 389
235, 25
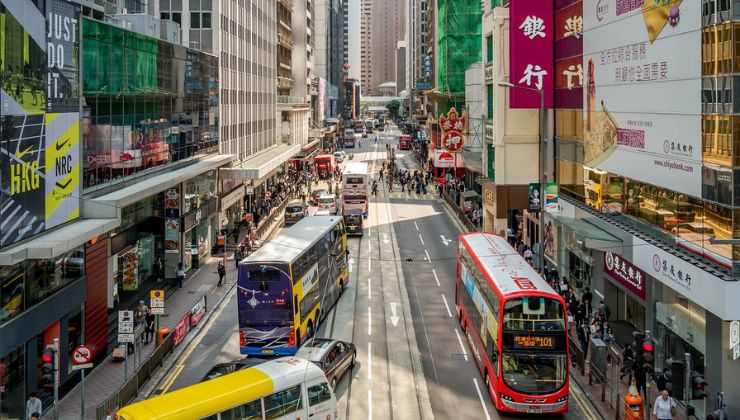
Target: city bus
349, 138
515, 324
355, 189
287, 286
285, 388
404, 142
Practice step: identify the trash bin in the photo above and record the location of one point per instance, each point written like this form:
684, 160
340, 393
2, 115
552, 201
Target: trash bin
633, 407
161, 334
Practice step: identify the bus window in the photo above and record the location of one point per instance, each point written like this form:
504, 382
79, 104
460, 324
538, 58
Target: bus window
318, 394
283, 402
263, 274
249, 411
538, 314
534, 374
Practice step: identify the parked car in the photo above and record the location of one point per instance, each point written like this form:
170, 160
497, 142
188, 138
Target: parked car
328, 202
339, 156
222, 369
315, 194
295, 211
334, 357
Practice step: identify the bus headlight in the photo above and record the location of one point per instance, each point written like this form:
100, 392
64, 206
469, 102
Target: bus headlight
505, 397
562, 399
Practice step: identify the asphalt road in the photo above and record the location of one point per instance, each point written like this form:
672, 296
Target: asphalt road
413, 360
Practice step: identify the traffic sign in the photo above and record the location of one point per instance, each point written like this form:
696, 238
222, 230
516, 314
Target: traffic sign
81, 355
156, 304
125, 327
80, 367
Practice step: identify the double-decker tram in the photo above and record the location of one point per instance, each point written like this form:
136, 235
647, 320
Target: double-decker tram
516, 325
288, 285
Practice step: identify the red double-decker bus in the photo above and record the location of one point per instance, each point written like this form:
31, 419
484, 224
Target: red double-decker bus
516, 325
404, 143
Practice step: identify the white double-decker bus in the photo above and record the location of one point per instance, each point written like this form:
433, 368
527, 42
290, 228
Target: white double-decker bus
355, 189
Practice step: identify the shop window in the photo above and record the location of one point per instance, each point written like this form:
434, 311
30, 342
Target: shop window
11, 291
44, 277
13, 378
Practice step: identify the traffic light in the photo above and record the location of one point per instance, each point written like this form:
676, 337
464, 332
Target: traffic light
48, 366
637, 345
648, 355
698, 386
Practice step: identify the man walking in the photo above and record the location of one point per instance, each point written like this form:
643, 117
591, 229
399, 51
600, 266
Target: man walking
33, 405
221, 273
180, 274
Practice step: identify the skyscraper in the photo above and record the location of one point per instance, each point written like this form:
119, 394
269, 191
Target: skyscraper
381, 29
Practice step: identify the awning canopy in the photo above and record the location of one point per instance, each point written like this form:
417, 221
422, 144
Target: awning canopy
52, 244
310, 144
473, 161
594, 236
259, 166
148, 186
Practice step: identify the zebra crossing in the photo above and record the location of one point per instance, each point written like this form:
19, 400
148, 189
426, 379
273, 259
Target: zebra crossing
398, 195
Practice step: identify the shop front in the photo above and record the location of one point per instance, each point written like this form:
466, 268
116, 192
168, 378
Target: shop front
42, 300
200, 231
231, 204
625, 289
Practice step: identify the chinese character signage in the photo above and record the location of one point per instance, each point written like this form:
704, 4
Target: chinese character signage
625, 274
452, 127
531, 37
642, 71
569, 54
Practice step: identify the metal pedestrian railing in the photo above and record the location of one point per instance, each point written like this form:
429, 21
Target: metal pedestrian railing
460, 214
130, 389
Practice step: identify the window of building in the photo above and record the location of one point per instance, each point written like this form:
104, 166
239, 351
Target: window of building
205, 20
489, 101
489, 47
195, 20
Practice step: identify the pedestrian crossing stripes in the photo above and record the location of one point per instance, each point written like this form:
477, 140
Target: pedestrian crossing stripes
410, 196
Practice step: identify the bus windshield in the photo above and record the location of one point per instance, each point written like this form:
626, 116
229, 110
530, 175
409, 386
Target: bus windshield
534, 314
534, 373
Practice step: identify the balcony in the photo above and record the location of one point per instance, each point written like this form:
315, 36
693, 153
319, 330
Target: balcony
284, 24
291, 100
285, 82
284, 41
288, 4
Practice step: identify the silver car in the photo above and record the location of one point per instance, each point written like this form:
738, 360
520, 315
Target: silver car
334, 357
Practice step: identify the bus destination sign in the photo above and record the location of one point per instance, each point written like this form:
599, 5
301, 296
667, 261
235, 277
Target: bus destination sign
528, 342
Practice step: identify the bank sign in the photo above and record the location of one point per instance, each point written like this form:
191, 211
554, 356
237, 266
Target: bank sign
642, 65
625, 273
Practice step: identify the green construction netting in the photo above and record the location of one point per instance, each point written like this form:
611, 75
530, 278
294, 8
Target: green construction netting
459, 42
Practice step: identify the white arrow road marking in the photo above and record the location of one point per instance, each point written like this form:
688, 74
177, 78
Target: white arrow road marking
459, 340
351, 264
394, 317
445, 240
385, 238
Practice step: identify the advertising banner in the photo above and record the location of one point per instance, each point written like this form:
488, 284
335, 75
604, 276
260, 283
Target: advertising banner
445, 159
62, 168
62, 49
129, 266
551, 237
551, 197
625, 273
172, 221
535, 202
568, 55
642, 115
531, 38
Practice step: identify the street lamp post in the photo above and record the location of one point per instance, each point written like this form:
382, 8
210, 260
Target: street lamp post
543, 197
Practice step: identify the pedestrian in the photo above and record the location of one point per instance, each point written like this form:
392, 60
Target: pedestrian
256, 219
158, 267
221, 273
664, 407
238, 257
380, 177
33, 405
35, 416
149, 327
662, 380
180, 274
527, 255
604, 310
140, 315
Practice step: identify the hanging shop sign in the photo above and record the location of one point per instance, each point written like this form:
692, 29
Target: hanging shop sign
625, 273
551, 197
452, 126
535, 201
172, 221
531, 50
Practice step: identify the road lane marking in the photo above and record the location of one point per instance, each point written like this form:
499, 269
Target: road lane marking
417, 226
369, 320
581, 402
369, 361
459, 340
370, 404
193, 345
422, 240
428, 258
435, 276
482, 402
446, 305
369, 264
369, 288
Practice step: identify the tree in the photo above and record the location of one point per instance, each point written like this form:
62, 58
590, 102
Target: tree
393, 107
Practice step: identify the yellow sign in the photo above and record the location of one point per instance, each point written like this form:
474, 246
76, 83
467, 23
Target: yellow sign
156, 294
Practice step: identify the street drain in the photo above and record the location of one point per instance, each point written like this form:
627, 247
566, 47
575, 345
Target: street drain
458, 356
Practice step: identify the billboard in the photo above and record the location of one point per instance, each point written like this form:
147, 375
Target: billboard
531, 37
40, 128
568, 55
642, 103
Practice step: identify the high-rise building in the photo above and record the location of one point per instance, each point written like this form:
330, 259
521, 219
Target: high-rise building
384, 27
366, 45
352, 52
329, 57
400, 65
419, 53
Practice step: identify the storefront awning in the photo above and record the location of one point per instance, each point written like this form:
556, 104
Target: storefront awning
473, 161
310, 145
57, 242
148, 186
594, 237
259, 166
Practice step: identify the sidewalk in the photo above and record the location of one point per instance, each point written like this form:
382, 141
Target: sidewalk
612, 407
108, 376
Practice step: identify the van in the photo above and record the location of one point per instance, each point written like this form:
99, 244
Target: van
339, 156
295, 211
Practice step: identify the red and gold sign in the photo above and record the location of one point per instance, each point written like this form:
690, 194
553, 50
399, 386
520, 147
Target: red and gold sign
452, 127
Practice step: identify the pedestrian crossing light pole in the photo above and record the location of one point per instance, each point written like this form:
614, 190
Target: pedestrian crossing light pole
543, 181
